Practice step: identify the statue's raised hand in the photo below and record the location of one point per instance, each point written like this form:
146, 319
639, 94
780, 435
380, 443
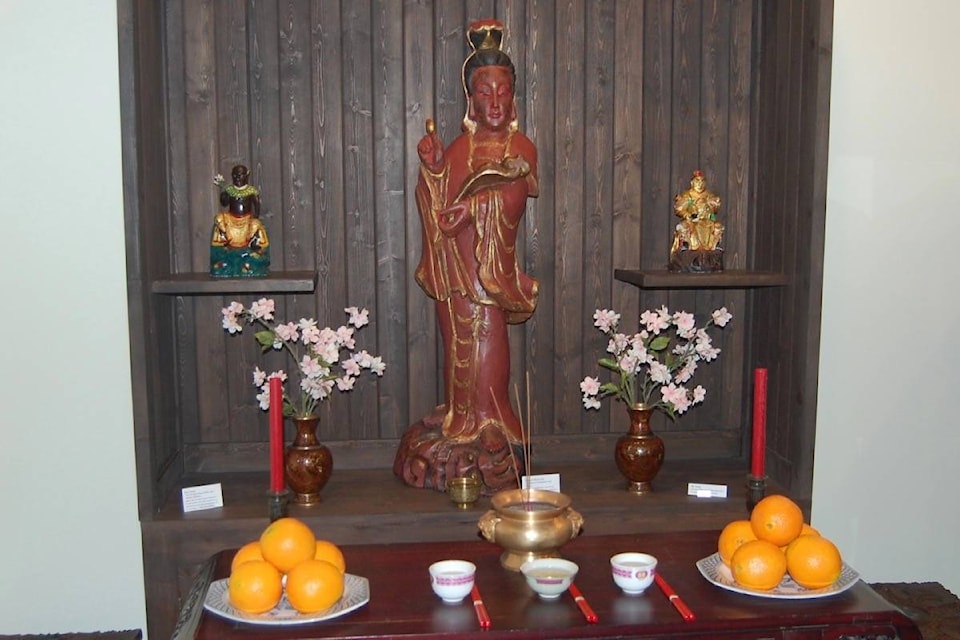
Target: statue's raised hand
430, 148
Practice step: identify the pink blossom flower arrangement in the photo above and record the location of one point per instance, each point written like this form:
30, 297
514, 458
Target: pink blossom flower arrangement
652, 360
314, 350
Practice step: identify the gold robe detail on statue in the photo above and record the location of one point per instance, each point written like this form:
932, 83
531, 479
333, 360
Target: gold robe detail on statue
475, 277
443, 267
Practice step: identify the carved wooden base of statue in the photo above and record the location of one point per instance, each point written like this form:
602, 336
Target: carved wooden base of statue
696, 261
226, 262
427, 459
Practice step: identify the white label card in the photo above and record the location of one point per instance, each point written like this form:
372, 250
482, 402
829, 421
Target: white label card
704, 490
207, 496
543, 481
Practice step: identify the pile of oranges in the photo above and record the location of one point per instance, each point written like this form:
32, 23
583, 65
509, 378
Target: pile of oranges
287, 547
774, 542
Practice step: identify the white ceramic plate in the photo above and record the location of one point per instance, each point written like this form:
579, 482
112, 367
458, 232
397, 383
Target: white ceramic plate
356, 593
719, 574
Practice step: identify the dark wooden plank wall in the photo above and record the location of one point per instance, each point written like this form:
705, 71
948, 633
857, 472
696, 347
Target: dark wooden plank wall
792, 134
159, 447
325, 101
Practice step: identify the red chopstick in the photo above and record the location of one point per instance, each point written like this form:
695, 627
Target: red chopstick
482, 616
675, 600
585, 607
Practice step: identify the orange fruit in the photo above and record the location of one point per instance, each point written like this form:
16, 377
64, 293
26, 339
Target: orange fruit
330, 552
314, 585
758, 564
732, 536
777, 519
255, 586
813, 562
246, 553
806, 530
287, 542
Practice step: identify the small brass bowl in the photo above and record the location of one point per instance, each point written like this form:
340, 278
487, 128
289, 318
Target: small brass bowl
463, 491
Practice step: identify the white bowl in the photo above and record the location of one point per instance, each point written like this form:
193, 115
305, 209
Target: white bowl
452, 580
549, 577
633, 572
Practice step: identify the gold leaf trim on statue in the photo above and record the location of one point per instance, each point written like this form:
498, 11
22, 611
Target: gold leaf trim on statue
492, 175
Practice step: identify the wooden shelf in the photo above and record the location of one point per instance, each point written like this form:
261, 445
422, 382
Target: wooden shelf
203, 284
361, 504
731, 279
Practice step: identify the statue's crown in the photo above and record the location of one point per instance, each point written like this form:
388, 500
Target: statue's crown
485, 34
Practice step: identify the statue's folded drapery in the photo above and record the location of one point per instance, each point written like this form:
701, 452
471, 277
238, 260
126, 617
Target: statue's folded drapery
444, 270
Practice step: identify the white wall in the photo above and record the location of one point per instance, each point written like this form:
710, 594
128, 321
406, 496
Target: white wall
887, 438
886, 472
69, 533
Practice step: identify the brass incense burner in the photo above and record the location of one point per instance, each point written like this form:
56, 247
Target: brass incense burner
529, 524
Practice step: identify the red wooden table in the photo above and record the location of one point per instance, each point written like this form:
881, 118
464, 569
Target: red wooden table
403, 605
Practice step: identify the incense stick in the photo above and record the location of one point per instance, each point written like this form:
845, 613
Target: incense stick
516, 465
527, 464
529, 422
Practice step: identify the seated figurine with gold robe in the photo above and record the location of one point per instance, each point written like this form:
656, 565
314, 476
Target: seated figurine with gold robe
239, 246
696, 239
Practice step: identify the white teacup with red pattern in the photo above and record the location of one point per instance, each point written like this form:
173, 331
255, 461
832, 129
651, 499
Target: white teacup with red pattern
452, 580
633, 572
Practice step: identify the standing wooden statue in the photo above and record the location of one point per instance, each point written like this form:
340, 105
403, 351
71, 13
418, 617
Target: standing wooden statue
696, 240
239, 246
471, 197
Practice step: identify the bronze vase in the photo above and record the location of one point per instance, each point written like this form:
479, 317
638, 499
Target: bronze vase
639, 452
308, 464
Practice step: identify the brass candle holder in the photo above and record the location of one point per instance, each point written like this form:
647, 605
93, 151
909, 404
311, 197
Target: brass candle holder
277, 504
756, 490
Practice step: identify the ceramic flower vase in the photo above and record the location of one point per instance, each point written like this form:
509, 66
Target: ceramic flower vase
639, 452
308, 464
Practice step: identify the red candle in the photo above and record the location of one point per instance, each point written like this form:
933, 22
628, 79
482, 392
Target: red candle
759, 444
276, 435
